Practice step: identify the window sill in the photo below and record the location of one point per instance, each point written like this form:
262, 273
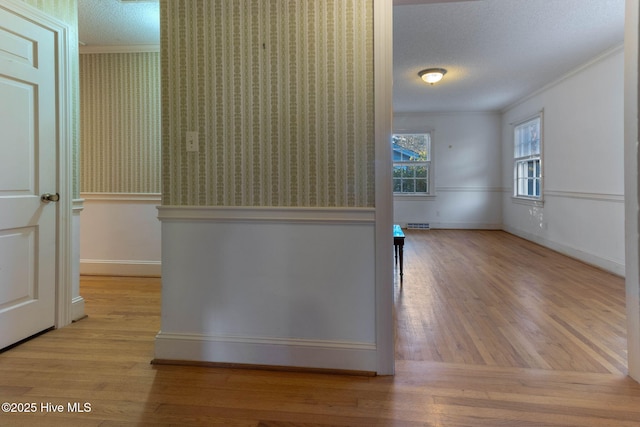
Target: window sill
527, 201
400, 196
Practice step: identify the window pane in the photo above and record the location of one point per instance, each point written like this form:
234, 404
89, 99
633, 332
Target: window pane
529, 187
397, 185
408, 186
411, 147
527, 138
408, 171
521, 169
421, 171
421, 186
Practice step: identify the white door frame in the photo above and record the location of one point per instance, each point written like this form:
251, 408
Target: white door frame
64, 152
631, 190
383, 66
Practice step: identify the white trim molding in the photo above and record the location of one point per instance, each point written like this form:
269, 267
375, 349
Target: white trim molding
614, 50
528, 201
77, 308
77, 206
469, 189
600, 197
383, 90
631, 176
77, 302
317, 354
610, 265
123, 197
465, 225
266, 214
128, 268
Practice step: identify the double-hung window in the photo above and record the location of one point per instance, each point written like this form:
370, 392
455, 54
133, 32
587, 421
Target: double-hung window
528, 159
412, 163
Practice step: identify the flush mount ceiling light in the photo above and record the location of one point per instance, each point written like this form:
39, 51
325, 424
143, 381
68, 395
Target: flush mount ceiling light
432, 75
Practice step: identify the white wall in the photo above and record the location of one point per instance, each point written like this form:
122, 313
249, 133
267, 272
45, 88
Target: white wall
120, 235
466, 162
583, 210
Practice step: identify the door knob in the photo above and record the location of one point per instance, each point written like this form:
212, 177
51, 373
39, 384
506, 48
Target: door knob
48, 197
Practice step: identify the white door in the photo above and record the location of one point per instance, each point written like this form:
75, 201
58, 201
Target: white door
28, 168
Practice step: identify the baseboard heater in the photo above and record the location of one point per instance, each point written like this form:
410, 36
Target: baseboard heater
418, 226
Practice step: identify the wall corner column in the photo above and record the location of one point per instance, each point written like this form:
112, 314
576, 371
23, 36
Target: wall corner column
383, 66
632, 211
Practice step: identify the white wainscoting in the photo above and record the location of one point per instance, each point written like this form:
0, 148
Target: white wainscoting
120, 235
585, 226
269, 286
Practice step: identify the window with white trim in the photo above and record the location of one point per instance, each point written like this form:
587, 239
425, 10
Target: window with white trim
527, 159
412, 163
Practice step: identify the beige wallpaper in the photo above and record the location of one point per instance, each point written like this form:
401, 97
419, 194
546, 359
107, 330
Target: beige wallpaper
67, 12
120, 122
281, 94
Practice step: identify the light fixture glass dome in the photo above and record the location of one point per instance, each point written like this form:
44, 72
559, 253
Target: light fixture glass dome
432, 75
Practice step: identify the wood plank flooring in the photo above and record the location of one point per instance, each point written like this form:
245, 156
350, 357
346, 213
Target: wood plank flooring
491, 331
490, 298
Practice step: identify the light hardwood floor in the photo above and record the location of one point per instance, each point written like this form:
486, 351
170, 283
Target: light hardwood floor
491, 331
490, 298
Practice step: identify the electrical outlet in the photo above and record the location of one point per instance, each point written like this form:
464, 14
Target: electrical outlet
192, 141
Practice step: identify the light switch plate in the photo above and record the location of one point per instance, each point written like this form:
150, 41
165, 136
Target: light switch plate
192, 141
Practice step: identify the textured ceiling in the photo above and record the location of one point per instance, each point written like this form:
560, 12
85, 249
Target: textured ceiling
495, 51
116, 23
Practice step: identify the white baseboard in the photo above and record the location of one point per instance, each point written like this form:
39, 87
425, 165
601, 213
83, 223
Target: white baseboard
77, 308
466, 226
456, 225
597, 261
134, 268
349, 356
